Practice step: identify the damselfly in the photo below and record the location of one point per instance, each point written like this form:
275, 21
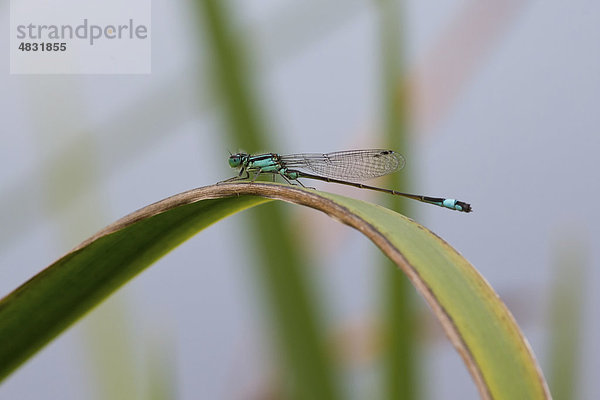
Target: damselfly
344, 167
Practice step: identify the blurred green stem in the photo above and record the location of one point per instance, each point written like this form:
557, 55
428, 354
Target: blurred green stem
567, 300
398, 327
299, 329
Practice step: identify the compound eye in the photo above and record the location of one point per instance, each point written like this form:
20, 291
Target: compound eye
235, 161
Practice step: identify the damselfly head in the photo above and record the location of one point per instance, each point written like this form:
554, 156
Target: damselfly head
237, 160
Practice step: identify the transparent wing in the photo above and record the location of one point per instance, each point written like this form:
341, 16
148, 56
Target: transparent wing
352, 165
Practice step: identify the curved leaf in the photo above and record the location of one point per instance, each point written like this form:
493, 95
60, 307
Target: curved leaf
476, 321
56, 297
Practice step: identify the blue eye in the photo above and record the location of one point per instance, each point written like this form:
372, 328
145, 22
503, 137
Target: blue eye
235, 161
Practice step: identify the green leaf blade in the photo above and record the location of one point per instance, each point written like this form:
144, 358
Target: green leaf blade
476, 321
47, 304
